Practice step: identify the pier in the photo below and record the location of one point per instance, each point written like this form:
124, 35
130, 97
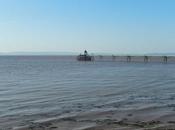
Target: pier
135, 58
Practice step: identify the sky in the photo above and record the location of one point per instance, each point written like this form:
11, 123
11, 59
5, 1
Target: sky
108, 26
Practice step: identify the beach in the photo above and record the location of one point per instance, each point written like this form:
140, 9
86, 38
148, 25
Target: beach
142, 119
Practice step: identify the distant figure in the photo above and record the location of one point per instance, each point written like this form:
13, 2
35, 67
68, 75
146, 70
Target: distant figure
85, 53
165, 59
128, 58
145, 59
113, 57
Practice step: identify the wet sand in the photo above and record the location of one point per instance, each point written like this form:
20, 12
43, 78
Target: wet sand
141, 119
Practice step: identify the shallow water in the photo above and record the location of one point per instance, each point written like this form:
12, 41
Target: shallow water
33, 87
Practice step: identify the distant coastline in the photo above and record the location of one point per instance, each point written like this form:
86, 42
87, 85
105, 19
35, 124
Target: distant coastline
77, 53
38, 53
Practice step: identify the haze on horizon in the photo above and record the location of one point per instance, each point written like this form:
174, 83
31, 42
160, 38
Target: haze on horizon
109, 26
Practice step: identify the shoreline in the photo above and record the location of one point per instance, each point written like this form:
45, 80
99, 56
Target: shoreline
144, 119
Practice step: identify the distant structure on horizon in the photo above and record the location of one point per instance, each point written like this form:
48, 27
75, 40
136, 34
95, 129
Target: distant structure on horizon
85, 57
126, 58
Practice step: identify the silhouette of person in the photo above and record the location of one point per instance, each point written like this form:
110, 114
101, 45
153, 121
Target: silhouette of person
146, 59
165, 59
128, 58
85, 53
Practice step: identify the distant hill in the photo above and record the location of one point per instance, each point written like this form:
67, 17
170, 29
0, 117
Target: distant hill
39, 53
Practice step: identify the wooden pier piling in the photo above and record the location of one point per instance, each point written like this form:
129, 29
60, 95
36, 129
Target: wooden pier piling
136, 58
128, 59
165, 59
146, 59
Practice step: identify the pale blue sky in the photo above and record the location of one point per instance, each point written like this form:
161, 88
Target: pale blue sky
111, 26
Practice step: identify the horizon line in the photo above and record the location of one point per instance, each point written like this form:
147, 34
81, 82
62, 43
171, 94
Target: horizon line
67, 53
